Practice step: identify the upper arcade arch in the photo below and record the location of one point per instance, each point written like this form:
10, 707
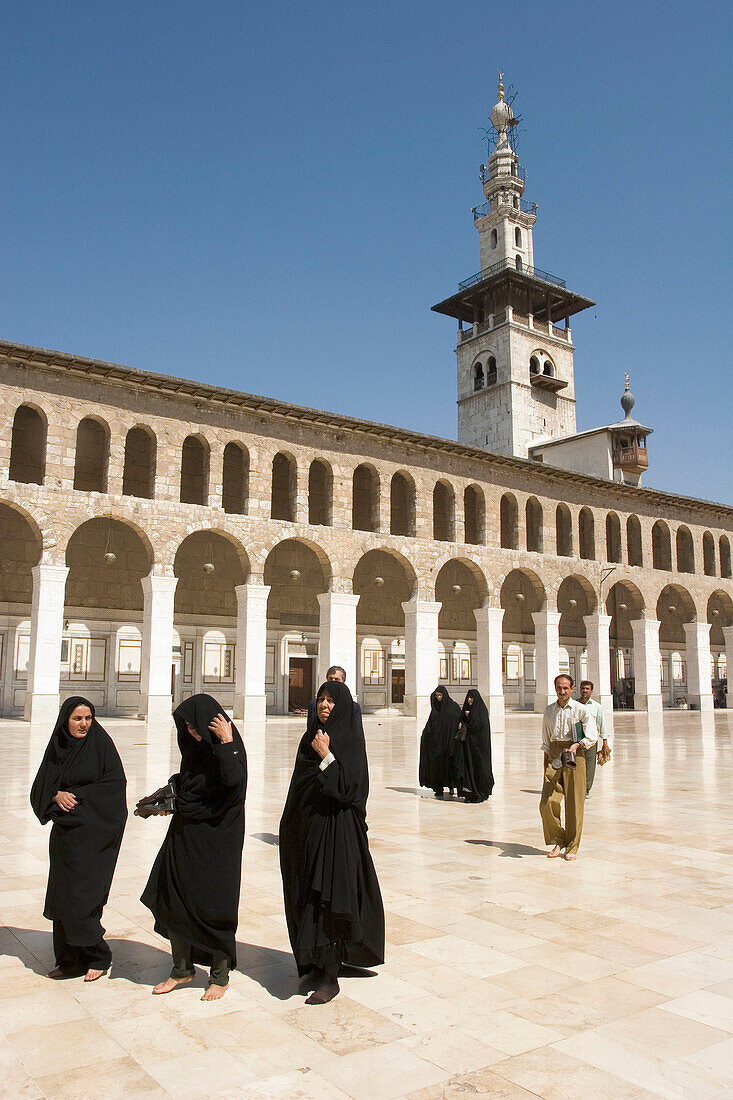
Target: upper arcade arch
107, 559
28, 445
209, 565
383, 579
91, 456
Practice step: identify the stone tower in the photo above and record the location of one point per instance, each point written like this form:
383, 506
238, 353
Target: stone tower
515, 359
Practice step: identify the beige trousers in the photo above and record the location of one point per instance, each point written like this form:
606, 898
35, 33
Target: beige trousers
564, 785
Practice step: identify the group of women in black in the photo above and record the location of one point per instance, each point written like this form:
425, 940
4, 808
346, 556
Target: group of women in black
455, 747
332, 899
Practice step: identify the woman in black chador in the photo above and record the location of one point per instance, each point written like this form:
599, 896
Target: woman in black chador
80, 787
193, 889
473, 758
333, 904
437, 744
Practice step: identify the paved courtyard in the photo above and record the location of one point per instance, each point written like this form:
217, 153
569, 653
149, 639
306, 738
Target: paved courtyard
507, 975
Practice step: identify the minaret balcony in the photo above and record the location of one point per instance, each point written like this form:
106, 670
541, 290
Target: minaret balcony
491, 206
510, 265
544, 381
632, 459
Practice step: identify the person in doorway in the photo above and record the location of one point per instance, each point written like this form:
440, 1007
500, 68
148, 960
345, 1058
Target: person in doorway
193, 889
474, 776
438, 743
603, 747
335, 672
80, 787
333, 904
568, 733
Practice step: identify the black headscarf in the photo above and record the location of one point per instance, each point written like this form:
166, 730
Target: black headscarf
193, 889
476, 775
437, 744
85, 841
330, 886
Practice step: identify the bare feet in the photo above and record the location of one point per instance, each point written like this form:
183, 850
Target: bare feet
326, 992
169, 985
555, 852
60, 975
214, 992
570, 858
93, 975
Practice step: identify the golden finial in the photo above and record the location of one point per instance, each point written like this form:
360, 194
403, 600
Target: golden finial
501, 83
626, 380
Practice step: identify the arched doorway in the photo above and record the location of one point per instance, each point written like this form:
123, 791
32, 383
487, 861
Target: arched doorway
675, 607
20, 549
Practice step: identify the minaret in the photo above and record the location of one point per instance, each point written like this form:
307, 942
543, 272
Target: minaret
515, 362
628, 446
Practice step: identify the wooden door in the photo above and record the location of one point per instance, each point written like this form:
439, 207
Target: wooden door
398, 685
300, 683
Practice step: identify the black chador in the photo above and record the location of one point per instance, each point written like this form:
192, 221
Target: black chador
437, 744
85, 840
193, 889
473, 756
333, 904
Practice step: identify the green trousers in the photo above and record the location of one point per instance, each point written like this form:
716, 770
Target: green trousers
183, 965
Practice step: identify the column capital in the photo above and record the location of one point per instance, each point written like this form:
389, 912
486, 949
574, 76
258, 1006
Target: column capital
546, 618
337, 599
696, 631
728, 635
158, 583
416, 605
251, 593
485, 615
597, 620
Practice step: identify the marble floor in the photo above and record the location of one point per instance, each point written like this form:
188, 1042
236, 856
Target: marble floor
507, 975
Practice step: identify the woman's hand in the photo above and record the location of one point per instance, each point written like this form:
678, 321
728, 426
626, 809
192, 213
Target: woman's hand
65, 800
322, 744
221, 727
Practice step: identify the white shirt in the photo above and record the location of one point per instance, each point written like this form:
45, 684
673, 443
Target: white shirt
559, 724
597, 711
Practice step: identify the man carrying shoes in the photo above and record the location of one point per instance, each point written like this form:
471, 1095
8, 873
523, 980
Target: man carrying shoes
568, 730
603, 748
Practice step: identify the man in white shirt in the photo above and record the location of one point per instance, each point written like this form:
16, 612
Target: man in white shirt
602, 744
567, 726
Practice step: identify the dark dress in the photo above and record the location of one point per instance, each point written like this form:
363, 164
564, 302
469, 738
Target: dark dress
437, 743
84, 842
193, 889
330, 886
473, 755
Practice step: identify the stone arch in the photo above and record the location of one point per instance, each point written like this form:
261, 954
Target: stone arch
724, 550
661, 546
563, 531
402, 504
209, 565
685, 550
195, 457
365, 498
320, 493
474, 515
575, 599
634, 547
91, 456
624, 603
522, 594
138, 475
586, 535
28, 445
107, 559
284, 487
384, 580
235, 479
21, 547
297, 571
533, 521
719, 615
613, 537
675, 607
444, 512
509, 522
708, 554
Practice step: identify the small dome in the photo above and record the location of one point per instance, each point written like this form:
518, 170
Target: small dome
627, 399
502, 114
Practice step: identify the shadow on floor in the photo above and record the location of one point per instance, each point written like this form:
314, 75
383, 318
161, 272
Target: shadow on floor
510, 851
266, 838
421, 792
525, 790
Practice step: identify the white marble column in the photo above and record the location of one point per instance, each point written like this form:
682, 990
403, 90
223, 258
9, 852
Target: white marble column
422, 663
547, 656
337, 635
250, 698
728, 636
647, 667
44, 661
157, 650
597, 642
488, 655
699, 672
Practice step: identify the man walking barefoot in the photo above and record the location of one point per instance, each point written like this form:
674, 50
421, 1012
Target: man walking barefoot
567, 727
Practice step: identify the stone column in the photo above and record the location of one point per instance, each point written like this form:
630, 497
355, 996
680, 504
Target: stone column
489, 657
337, 635
157, 649
44, 661
250, 699
422, 664
647, 668
728, 636
699, 686
599, 662
547, 656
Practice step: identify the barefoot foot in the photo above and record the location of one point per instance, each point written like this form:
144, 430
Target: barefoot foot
169, 984
93, 975
555, 852
60, 975
570, 858
326, 992
214, 992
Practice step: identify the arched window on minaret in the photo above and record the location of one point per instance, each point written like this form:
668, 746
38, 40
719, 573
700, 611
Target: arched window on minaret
491, 371
518, 263
494, 239
478, 377
518, 237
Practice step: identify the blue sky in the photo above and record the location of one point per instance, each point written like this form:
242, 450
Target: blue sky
270, 196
